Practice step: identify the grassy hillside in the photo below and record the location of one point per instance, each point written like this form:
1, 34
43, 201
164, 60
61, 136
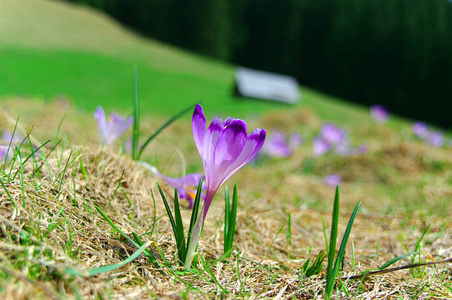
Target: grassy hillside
51, 49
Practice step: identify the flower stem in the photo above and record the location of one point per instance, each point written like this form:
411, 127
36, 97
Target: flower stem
196, 232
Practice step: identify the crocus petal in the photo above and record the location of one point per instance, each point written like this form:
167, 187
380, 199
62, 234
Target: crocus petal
186, 186
113, 128
332, 134
199, 127
207, 151
99, 114
379, 113
320, 146
253, 145
420, 129
118, 126
228, 148
332, 180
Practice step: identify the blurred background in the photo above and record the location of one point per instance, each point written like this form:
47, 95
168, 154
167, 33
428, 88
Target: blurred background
394, 52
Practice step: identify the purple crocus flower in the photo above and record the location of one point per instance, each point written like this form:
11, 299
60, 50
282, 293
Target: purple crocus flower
224, 148
332, 134
8, 143
4, 151
332, 180
186, 186
379, 113
8, 137
295, 140
113, 128
277, 146
320, 146
420, 129
435, 139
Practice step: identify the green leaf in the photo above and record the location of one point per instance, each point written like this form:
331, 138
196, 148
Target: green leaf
232, 218
227, 205
317, 265
181, 247
168, 211
341, 252
136, 116
195, 210
147, 253
108, 268
332, 247
396, 259
169, 122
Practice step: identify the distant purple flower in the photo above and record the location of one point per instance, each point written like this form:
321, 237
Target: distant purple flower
186, 186
4, 151
379, 113
295, 140
332, 134
9, 143
332, 180
435, 139
278, 146
224, 148
113, 128
8, 137
420, 129
320, 146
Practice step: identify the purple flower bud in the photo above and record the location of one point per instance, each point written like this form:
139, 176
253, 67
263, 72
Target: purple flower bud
332, 180
332, 134
420, 129
379, 113
435, 139
113, 128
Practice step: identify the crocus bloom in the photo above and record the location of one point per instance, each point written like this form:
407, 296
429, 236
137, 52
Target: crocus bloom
420, 129
295, 140
277, 146
3, 151
224, 148
379, 113
332, 134
8, 143
186, 186
320, 146
8, 137
435, 139
332, 180
113, 128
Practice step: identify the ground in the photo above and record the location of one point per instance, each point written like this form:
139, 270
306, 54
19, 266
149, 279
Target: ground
50, 223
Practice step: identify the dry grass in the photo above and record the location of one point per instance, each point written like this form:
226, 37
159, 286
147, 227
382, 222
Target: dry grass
405, 187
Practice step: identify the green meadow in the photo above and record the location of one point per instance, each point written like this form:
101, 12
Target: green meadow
89, 59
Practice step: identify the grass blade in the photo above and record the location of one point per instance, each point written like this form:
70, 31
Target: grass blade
82, 166
232, 219
146, 252
108, 268
169, 122
116, 190
168, 211
332, 246
227, 204
341, 252
136, 116
7, 192
195, 210
181, 247
396, 259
